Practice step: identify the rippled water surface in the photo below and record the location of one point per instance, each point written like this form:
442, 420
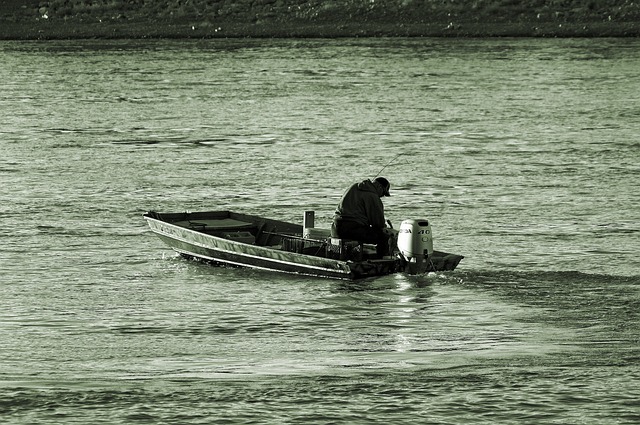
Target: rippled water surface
522, 153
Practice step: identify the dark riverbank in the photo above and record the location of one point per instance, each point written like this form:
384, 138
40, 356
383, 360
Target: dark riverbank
66, 19
170, 29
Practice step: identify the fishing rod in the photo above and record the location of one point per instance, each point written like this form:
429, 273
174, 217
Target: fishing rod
389, 163
380, 172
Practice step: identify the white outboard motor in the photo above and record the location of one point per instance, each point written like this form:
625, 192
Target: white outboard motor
415, 243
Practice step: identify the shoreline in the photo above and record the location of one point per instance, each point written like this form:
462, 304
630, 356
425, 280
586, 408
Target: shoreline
172, 29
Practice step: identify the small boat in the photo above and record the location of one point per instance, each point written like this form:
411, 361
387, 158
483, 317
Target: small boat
244, 240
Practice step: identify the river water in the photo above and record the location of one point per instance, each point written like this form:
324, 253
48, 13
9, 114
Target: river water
523, 153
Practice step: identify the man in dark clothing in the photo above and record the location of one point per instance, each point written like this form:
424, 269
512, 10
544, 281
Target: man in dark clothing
360, 214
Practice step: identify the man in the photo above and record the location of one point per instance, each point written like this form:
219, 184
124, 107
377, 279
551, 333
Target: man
360, 214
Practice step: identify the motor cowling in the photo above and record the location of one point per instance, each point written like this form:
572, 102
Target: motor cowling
415, 243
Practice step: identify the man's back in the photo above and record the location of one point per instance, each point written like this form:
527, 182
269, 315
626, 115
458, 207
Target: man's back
361, 204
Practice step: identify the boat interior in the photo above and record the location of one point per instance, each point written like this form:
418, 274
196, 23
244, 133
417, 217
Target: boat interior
275, 234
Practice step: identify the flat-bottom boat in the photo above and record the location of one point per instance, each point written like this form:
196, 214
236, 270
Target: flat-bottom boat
235, 239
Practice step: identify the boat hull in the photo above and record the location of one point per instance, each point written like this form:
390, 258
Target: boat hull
195, 243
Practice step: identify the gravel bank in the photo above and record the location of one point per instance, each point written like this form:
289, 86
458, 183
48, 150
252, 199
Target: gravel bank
64, 19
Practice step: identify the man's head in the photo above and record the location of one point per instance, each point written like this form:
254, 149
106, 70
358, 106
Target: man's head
384, 185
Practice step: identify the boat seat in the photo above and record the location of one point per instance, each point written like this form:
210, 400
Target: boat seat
217, 225
345, 249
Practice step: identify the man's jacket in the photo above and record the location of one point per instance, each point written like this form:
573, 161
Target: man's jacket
361, 204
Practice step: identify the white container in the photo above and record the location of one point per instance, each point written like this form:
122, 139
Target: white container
315, 233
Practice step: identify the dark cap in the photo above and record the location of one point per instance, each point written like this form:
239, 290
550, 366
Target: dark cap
385, 185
